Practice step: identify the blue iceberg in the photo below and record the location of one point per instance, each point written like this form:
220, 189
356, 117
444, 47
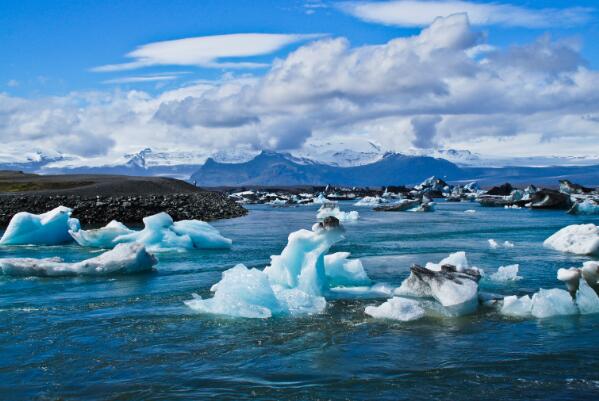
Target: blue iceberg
296, 282
160, 233
50, 228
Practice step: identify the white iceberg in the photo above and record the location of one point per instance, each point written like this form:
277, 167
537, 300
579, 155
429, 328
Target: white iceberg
580, 239
50, 228
397, 308
586, 207
337, 213
296, 281
515, 306
320, 199
370, 201
123, 259
494, 244
160, 233
506, 273
452, 282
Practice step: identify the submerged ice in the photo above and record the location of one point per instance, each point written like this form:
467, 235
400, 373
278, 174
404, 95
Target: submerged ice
123, 259
50, 228
160, 232
296, 281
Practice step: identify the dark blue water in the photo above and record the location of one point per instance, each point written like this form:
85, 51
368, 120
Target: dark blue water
131, 337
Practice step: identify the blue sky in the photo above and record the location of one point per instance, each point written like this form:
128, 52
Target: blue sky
97, 79
51, 46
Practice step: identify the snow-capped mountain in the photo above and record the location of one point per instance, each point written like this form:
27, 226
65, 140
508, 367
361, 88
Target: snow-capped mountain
342, 154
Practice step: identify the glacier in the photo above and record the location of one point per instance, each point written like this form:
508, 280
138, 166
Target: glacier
296, 282
50, 228
160, 233
580, 239
123, 259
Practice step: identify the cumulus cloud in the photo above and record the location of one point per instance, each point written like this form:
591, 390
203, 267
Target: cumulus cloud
417, 13
433, 89
207, 51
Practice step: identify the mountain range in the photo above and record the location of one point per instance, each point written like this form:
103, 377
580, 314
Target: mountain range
320, 165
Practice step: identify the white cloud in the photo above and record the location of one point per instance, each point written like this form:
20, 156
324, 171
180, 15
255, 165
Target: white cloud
144, 78
207, 51
417, 13
12, 83
433, 89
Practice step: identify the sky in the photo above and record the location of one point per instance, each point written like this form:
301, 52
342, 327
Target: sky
95, 79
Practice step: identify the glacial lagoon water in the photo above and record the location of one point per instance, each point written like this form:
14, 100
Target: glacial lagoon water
131, 337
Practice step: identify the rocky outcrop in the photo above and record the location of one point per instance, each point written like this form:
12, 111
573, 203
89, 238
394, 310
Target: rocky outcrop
100, 210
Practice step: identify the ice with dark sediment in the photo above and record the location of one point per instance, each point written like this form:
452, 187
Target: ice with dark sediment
123, 259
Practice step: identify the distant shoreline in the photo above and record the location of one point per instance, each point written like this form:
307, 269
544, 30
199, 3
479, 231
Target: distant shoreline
98, 199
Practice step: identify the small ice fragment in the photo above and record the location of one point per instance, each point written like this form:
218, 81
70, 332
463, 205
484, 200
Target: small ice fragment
397, 308
517, 307
508, 244
493, 244
470, 211
506, 273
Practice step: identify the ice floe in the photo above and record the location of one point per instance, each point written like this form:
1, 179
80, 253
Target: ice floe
506, 273
397, 308
160, 233
494, 244
295, 282
329, 210
50, 228
370, 201
580, 239
452, 282
123, 259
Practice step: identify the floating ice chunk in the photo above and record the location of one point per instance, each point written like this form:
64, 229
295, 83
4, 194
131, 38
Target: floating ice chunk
553, 302
160, 233
101, 237
457, 259
587, 299
241, 292
397, 308
295, 282
451, 282
320, 199
123, 259
493, 244
370, 201
48, 228
341, 271
581, 239
337, 213
508, 244
516, 307
470, 211
514, 206
587, 207
506, 273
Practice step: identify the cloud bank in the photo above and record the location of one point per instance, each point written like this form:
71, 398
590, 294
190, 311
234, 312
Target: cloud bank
422, 91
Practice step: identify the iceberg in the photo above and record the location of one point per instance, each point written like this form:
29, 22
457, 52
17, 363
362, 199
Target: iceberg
326, 211
341, 271
506, 273
451, 282
160, 233
580, 239
320, 199
586, 207
397, 308
295, 282
370, 201
494, 244
123, 259
50, 228
581, 297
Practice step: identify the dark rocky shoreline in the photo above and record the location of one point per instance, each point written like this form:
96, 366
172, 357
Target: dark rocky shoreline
100, 210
